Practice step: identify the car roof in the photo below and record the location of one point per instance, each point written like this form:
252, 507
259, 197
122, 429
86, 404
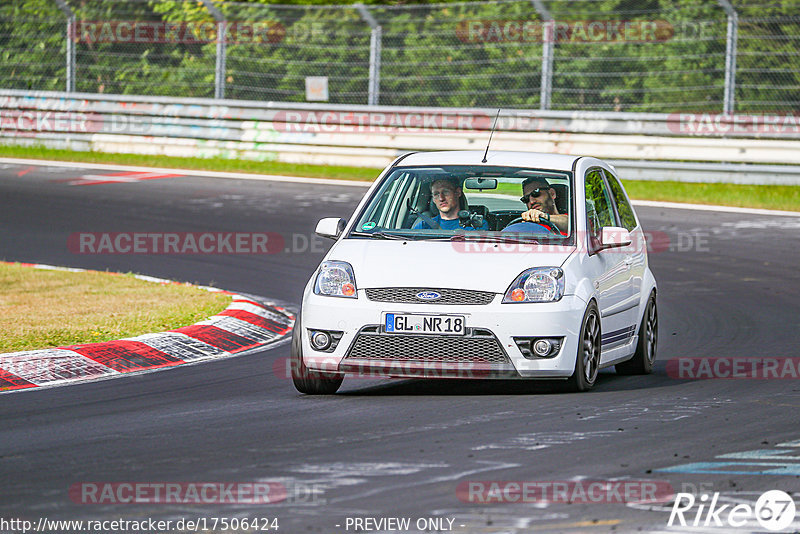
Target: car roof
538, 160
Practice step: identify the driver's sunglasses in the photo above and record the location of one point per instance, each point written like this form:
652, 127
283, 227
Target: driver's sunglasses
535, 193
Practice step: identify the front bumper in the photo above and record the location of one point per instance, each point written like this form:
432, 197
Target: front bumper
487, 351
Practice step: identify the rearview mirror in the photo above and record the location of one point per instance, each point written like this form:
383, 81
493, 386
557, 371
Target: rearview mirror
614, 236
480, 183
330, 227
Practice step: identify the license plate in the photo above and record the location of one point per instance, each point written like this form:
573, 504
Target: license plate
400, 323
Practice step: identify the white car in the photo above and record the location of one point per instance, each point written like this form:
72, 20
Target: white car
407, 291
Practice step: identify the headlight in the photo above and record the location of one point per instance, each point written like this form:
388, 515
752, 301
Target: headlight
540, 284
335, 279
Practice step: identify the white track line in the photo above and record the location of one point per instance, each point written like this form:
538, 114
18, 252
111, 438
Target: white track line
706, 207
190, 172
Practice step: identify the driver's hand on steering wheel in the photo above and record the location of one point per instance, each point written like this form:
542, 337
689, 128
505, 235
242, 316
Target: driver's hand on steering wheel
533, 215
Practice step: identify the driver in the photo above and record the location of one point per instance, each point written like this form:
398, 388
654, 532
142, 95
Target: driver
446, 195
540, 198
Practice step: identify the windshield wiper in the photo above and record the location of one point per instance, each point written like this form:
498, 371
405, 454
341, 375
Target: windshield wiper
379, 234
414, 237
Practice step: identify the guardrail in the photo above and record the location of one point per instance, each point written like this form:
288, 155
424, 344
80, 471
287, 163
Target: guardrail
683, 147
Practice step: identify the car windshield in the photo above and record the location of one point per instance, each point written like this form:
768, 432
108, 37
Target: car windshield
469, 202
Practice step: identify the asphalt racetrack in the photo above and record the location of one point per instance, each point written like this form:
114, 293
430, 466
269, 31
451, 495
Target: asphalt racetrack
729, 287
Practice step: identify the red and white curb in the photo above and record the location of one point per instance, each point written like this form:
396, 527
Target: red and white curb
249, 323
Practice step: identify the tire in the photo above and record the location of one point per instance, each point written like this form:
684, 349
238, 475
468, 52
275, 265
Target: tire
587, 360
645, 355
305, 380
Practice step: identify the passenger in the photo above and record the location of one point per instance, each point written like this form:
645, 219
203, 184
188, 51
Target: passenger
446, 195
540, 198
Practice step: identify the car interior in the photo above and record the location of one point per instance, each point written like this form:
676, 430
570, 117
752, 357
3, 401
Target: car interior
407, 198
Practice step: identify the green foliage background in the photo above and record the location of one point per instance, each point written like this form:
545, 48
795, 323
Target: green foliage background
425, 60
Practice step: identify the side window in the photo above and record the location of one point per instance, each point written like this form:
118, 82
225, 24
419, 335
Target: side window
599, 212
390, 210
626, 217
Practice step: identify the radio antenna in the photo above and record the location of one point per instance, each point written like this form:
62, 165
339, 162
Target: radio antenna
490, 136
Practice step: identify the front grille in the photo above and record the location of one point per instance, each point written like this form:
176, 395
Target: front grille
479, 346
407, 295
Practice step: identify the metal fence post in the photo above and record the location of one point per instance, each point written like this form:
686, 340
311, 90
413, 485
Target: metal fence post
375, 37
548, 38
730, 56
222, 51
62, 5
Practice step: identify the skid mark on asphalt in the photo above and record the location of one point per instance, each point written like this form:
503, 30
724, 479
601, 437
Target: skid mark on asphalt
404, 432
329, 476
368, 469
116, 178
306, 200
764, 224
659, 411
542, 440
322, 478
435, 479
310, 486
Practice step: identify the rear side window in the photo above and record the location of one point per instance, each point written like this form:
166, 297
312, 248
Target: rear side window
626, 217
599, 212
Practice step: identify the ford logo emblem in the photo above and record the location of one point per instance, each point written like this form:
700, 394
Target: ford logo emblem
428, 295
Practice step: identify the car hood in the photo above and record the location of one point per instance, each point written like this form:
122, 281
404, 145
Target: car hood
443, 264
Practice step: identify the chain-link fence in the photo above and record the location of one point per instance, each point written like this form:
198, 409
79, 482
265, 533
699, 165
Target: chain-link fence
604, 55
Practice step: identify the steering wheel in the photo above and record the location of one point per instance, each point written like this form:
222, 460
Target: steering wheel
546, 223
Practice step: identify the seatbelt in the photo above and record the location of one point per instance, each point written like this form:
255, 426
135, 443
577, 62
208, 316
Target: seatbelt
429, 221
433, 225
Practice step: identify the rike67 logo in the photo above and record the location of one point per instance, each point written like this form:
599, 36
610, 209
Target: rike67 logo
774, 510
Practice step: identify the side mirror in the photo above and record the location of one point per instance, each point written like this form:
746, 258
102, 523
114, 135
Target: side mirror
614, 236
330, 227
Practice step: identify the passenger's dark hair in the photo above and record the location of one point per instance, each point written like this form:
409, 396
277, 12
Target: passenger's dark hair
532, 179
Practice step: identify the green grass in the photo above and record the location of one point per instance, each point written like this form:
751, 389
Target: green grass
201, 164
776, 197
50, 308
773, 197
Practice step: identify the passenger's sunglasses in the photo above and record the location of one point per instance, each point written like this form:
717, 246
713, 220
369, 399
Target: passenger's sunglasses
535, 193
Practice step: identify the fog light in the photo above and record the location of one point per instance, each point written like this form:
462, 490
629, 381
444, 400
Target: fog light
534, 348
542, 347
320, 340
